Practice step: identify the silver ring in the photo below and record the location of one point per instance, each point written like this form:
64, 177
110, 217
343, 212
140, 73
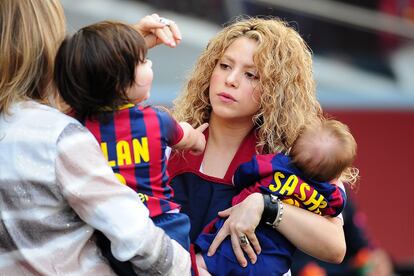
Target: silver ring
165, 21
244, 240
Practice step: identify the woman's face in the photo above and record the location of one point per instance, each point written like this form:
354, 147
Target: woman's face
233, 94
140, 90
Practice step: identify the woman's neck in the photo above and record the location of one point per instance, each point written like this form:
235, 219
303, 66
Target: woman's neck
228, 134
224, 139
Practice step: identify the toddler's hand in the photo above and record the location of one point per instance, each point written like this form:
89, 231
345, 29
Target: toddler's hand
200, 140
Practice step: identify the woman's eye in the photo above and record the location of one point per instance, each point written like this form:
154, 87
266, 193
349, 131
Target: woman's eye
224, 66
251, 76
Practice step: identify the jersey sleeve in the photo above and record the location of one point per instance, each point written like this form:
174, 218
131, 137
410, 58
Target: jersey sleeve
259, 167
336, 202
170, 128
246, 174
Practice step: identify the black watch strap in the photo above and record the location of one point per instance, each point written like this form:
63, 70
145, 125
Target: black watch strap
271, 209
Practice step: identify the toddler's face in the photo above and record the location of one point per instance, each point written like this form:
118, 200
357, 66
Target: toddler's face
140, 90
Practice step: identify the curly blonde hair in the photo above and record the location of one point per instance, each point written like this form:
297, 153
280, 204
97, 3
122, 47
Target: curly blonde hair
284, 61
30, 34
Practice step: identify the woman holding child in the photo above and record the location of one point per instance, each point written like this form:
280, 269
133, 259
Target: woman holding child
254, 86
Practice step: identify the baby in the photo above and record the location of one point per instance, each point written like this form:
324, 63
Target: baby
320, 154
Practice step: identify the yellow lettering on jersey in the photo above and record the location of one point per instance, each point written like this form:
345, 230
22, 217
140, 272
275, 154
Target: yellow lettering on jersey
314, 200
291, 201
140, 150
302, 194
104, 148
120, 178
275, 187
290, 185
143, 197
323, 204
123, 153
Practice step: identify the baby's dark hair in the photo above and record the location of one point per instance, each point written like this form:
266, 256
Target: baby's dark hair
95, 66
324, 151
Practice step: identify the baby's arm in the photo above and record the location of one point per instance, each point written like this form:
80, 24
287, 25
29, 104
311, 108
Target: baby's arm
193, 138
337, 200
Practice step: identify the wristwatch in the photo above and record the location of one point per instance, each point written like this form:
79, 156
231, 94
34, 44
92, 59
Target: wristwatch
271, 209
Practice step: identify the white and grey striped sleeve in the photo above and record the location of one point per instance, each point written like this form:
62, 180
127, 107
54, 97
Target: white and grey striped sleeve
93, 191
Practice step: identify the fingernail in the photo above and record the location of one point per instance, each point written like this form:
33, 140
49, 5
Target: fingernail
172, 43
209, 254
252, 261
244, 265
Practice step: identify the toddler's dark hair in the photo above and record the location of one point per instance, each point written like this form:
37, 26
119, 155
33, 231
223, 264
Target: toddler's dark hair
95, 66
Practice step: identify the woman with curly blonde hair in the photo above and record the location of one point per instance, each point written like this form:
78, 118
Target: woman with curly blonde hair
254, 85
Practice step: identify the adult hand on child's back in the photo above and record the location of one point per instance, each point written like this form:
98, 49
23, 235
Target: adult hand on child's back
242, 220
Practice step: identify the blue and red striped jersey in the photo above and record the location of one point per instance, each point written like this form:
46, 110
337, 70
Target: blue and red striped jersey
276, 174
134, 140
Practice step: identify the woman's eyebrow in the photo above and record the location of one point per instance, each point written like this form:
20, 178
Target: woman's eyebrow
249, 66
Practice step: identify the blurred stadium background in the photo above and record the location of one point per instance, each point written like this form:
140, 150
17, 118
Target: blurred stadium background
364, 68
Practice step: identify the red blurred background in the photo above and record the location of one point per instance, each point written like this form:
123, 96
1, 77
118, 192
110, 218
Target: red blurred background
385, 148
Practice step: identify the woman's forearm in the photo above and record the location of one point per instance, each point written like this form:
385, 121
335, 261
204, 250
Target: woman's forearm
318, 236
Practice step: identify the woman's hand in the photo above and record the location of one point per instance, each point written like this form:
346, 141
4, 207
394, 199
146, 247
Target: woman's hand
242, 220
157, 30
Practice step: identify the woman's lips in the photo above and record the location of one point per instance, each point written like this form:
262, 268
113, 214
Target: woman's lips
227, 98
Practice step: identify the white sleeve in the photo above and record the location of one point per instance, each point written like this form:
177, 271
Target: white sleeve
93, 191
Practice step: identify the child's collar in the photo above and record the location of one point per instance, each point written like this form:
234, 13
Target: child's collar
126, 106
121, 107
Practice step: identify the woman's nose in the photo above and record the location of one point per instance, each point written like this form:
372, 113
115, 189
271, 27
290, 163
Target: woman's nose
232, 79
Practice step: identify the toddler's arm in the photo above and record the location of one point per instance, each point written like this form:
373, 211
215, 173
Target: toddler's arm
193, 138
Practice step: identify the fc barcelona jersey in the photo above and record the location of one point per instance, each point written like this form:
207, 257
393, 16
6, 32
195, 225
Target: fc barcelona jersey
134, 140
276, 174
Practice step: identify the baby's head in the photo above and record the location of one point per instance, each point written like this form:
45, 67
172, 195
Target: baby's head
101, 67
324, 150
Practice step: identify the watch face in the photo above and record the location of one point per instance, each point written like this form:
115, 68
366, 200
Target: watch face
273, 198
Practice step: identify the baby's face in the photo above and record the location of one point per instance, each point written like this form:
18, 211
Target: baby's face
140, 90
